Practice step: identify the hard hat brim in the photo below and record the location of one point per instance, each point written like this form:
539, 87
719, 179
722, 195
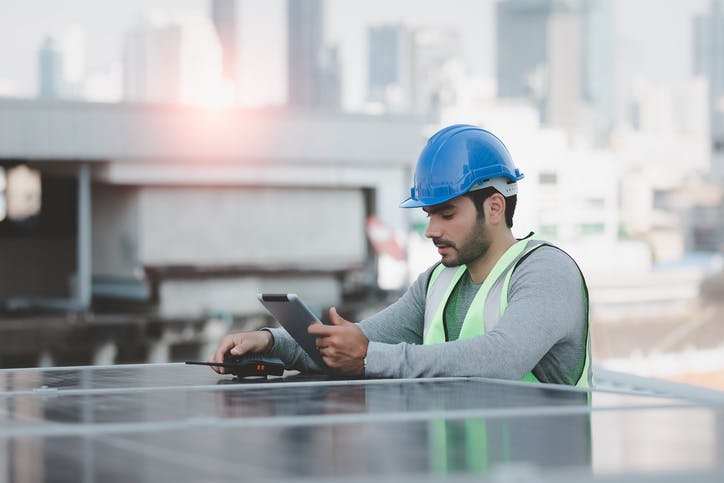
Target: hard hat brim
413, 203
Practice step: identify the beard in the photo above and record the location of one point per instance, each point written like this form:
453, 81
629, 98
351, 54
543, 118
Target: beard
473, 246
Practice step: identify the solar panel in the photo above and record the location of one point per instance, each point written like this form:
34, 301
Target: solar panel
172, 422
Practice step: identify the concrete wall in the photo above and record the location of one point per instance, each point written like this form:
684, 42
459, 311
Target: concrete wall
237, 295
390, 183
235, 230
267, 228
264, 227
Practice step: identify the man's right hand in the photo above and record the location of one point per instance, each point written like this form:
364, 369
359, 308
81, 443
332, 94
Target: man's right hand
241, 343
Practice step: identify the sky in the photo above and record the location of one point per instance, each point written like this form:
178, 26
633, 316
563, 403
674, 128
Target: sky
653, 37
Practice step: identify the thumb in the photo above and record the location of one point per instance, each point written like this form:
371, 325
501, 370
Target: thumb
336, 318
237, 349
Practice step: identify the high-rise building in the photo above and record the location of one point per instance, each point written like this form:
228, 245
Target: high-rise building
311, 65
223, 14
436, 52
152, 63
708, 60
173, 59
391, 68
522, 48
406, 67
331, 95
50, 70
61, 65
599, 66
559, 55
72, 45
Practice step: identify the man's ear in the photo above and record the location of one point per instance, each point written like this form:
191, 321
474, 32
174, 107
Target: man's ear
495, 208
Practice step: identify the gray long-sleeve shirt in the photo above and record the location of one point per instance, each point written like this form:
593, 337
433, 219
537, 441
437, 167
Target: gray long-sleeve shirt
543, 330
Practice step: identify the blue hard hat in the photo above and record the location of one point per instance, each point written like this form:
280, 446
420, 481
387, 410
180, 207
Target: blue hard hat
458, 159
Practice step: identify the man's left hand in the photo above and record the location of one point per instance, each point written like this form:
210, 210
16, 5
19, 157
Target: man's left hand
343, 345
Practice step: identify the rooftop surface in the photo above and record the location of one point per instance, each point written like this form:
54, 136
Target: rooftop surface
173, 422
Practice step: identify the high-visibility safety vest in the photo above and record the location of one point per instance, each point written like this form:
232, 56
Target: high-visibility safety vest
489, 303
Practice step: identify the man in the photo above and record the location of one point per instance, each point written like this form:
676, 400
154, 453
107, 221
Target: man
493, 307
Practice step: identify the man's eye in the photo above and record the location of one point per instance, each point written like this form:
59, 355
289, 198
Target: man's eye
447, 216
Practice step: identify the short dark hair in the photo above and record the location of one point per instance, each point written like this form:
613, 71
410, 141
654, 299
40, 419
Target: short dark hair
479, 196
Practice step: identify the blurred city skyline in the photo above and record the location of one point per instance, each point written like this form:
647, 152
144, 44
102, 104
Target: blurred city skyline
660, 52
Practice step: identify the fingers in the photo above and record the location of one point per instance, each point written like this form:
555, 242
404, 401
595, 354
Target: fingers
336, 318
323, 341
327, 351
338, 344
230, 344
223, 349
330, 357
328, 335
240, 344
218, 356
214, 356
238, 349
321, 330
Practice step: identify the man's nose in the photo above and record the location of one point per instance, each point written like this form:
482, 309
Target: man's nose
432, 230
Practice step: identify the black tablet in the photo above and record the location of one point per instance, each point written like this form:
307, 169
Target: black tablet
295, 317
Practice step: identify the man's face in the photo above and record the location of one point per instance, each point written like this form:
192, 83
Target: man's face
457, 232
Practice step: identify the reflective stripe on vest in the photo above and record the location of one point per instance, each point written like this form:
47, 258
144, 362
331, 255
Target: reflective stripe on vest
489, 303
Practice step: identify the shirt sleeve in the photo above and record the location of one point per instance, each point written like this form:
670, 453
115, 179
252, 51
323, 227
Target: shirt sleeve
545, 304
287, 349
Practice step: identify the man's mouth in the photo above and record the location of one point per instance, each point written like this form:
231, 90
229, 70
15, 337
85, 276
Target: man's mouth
442, 246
